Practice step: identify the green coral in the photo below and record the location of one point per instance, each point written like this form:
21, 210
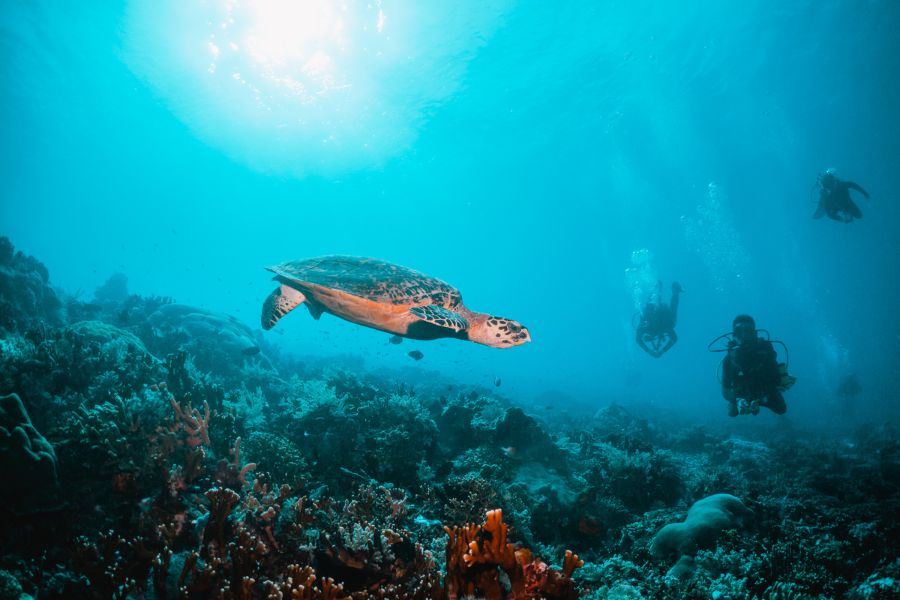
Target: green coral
276, 455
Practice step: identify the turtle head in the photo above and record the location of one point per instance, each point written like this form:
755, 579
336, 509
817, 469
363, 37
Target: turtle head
497, 332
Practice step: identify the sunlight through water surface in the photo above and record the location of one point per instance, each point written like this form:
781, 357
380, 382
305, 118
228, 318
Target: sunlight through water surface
304, 87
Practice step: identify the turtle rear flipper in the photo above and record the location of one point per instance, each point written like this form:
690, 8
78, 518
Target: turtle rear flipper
279, 303
440, 317
315, 309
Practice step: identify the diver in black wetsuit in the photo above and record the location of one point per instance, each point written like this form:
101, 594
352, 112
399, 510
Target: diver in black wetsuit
751, 372
656, 330
834, 198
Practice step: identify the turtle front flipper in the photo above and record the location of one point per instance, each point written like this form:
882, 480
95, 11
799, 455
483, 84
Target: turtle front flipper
279, 303
440, 317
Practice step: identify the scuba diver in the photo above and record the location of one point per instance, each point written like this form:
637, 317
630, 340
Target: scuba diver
751, 374
656, 330
834, 198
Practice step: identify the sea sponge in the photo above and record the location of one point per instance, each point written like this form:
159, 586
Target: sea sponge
706, 519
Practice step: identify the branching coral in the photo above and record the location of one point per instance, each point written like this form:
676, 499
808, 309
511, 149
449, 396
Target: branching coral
234, 473
478, 555
221, 502
192, 422
114, 565
299, 583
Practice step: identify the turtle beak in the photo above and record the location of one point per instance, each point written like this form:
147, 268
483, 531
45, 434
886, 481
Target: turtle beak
520, 334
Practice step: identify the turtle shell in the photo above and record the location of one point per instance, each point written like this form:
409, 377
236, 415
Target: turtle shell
369, 278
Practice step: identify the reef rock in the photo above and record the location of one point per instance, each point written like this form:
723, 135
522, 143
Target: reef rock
104, 334
216, 341
26, 298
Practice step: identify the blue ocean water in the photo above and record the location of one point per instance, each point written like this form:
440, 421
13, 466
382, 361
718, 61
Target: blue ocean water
551, 162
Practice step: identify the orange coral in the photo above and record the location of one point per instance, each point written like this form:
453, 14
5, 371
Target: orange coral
477, 554
458, 539
491, 546
473, 556
570, 563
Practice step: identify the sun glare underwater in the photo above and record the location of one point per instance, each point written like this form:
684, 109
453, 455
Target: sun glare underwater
449, 300
305, 87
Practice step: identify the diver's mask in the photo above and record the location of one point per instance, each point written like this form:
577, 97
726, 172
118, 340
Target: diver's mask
827, 179
744, 329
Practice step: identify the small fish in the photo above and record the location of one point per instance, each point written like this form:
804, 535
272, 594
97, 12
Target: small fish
548, 407
510, 451
415, 355
497, 381
395, 339
250, 351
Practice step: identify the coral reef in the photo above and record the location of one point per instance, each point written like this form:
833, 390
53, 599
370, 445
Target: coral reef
216, 342
153, 450
26, 298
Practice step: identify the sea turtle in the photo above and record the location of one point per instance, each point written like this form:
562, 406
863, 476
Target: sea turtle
384, 296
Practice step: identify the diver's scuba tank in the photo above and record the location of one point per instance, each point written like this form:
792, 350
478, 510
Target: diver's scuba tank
746, 401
